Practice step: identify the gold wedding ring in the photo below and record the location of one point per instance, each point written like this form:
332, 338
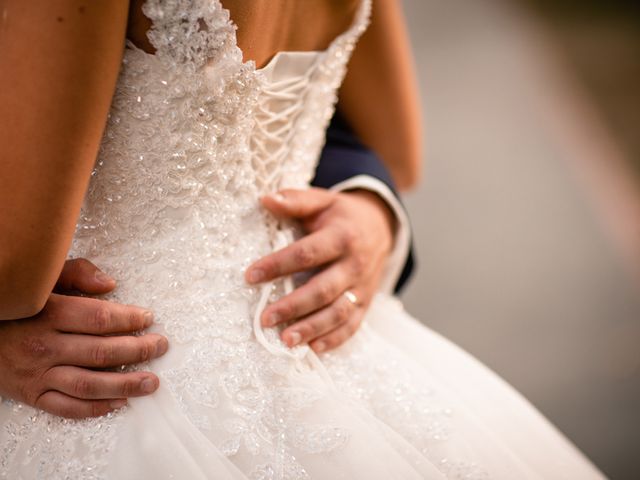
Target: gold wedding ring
351, 297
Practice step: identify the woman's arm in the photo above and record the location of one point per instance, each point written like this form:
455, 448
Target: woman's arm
379, 96
59, 63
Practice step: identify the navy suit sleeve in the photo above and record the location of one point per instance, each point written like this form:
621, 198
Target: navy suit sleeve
344, 157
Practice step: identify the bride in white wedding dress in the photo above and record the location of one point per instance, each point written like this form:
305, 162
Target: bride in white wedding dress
195, 136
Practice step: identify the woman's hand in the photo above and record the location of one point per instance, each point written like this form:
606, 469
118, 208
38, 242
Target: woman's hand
52, 360
349, 237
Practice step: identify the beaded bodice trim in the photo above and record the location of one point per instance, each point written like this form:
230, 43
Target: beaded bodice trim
194, 137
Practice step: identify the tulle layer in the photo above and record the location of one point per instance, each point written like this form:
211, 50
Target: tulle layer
397, 401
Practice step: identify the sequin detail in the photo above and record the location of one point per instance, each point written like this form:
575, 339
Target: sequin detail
53, 447
381, 379
172, 212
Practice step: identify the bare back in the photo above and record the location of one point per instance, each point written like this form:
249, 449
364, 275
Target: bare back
266, 28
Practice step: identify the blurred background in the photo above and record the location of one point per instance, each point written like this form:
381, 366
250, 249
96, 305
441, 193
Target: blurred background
527, 222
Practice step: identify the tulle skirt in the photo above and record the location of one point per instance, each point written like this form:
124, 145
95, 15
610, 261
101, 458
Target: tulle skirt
397, 401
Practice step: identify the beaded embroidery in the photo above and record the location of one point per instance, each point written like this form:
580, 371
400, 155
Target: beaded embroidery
172, 213
193, 138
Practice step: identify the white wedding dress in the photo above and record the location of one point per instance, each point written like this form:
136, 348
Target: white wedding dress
194, 137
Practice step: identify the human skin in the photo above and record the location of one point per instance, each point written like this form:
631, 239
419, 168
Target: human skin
53, 108
53, 360
63, 60
349, 236
49, 360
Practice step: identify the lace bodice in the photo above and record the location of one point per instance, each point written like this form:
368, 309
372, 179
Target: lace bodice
194, 137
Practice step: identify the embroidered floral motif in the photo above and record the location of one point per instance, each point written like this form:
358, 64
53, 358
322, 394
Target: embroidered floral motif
172, 213
194, 137
52, 447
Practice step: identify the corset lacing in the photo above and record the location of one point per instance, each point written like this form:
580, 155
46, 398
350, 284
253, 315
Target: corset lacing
279, 105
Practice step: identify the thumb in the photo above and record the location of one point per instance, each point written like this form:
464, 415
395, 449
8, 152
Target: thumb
82, 275
298, 203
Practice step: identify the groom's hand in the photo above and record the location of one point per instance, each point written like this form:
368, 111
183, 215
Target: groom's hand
350, 235
53, 360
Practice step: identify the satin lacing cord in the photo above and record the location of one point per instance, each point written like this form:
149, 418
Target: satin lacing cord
301, 352
268, 163
275, 128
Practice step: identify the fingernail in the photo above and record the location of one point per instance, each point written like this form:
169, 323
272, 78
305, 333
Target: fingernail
295, 338
148, 318
256, 275
117, 403
162, 347
273, 319
147, 385
319, 347
278, 197
102, 277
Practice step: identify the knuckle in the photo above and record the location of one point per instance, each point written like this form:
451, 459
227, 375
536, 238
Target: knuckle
81, 386
310, 329
35, 347
348, 237
336, 246
135, 319
331, 342
128, 387
304, 255
341, 311
270, 266
103, 355
101, 319
287, 309
145, 351
324, 293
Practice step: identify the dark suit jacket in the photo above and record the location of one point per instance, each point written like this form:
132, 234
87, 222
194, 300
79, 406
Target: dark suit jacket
343, 157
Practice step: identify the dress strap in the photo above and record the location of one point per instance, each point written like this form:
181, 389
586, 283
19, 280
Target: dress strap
359, 23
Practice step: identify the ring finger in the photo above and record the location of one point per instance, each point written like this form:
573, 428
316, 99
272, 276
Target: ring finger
321, 290
338, 335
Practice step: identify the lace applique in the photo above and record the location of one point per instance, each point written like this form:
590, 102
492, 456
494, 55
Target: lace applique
188, 32
172, 213
388, 388
55, 448
229, 371
460, 470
